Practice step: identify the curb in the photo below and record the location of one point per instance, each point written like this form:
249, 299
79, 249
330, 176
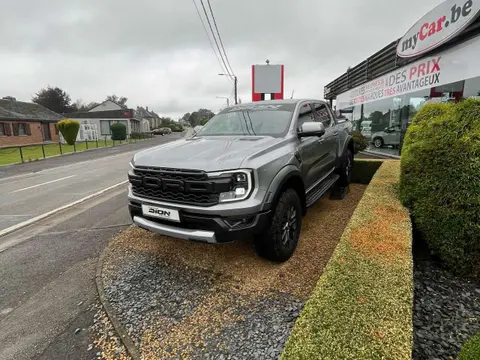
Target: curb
47, 214
119, 329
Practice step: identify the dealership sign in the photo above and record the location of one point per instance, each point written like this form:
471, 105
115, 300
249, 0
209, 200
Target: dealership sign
441, 24
455, 64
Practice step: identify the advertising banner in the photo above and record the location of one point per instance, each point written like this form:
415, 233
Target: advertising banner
458, 63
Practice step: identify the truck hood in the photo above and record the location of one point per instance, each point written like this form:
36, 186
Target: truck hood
213, 153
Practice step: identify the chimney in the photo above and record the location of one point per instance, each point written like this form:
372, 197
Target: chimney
147, 108
11, 98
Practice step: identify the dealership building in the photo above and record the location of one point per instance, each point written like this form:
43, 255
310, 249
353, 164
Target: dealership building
437, 60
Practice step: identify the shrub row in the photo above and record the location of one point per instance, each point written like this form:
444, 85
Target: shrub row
361, 307
440, 177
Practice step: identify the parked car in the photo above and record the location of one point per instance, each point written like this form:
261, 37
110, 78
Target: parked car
366, 129
390, 136
253, 169
158, 131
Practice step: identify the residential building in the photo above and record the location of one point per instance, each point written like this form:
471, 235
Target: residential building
23, 123
152, 118
104, 115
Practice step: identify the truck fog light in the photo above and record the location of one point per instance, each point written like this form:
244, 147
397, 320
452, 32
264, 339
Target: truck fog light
240, 191
226, 196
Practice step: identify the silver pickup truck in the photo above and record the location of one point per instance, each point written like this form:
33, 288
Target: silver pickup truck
252, 170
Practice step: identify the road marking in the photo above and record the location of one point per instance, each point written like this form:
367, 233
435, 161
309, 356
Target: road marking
45, 183
47, 214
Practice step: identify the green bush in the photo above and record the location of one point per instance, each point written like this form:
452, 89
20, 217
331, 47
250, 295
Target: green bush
440, 177
471, 350
361, 307
69, 130
119, 131
360, 142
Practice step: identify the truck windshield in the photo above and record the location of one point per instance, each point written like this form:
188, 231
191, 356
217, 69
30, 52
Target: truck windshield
245, 122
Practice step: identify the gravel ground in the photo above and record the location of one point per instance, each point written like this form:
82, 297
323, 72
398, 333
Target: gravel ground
188, 300
446, 311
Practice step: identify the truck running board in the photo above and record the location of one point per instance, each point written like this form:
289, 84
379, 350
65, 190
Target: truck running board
322, 188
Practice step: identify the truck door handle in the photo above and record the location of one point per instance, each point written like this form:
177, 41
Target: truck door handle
335, 133
321, 141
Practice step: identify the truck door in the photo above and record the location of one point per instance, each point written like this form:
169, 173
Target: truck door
329, 141
312, 150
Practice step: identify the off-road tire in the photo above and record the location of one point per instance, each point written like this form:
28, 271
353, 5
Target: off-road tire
345, 172
378, 142
271, 244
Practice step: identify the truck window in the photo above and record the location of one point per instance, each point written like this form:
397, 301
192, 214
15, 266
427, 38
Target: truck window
305, 115
322, 114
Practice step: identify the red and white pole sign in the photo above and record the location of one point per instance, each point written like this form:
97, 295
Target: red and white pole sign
267, 79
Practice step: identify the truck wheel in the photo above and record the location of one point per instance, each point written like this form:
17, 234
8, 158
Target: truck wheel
279, 241
378, 142
345, 171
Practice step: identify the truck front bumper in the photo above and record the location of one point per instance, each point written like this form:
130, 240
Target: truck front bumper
202, 227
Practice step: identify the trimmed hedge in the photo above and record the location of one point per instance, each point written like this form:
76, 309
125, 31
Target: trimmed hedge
361, 307
119, 131
471, 350
440, 181
69, 130
364, 169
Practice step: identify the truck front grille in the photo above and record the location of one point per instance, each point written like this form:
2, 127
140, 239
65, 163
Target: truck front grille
178, 186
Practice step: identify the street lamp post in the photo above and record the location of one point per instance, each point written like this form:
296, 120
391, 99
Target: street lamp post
234, 85
224, 97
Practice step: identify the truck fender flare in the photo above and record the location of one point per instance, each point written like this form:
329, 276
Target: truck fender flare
274, 191
348, 143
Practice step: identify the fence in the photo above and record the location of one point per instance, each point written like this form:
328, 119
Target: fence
27, 153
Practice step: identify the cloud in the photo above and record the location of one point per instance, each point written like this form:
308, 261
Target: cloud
156, 52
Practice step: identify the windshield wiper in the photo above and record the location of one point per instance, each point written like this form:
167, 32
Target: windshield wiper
246, 124
251, 125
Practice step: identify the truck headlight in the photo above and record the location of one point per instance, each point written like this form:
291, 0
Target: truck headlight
242, 185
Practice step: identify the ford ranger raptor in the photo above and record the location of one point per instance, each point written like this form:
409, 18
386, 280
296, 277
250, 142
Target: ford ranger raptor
252, 170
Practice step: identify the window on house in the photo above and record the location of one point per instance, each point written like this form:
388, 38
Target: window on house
105, 127
3, 130
21, 129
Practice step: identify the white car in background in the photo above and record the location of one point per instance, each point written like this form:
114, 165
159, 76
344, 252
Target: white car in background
366, 129
390, 136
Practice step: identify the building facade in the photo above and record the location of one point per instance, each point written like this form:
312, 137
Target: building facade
436, 61
98, 120
23, 123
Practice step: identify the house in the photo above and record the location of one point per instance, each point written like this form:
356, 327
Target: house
102, 116
152, 118
23, 123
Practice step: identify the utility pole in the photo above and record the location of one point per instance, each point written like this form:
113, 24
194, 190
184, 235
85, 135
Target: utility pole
236, 91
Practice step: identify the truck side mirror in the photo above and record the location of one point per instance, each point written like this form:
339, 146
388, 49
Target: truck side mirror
309, 129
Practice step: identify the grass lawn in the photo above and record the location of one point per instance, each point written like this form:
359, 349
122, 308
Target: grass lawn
34, 152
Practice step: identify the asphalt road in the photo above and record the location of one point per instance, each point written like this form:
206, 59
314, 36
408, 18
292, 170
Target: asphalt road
60, 181
48, 296
47, 280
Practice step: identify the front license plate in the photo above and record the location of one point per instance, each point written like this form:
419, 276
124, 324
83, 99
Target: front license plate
161, 213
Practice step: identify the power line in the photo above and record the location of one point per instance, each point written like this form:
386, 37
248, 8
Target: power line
219, 37
214, 38
208, 36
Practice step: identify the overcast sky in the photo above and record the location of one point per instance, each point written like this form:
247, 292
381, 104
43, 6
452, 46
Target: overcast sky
155, 52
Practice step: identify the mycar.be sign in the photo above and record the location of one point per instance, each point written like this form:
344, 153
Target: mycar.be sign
438, 26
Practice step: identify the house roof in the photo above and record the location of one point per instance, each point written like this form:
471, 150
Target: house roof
107, 101
19, 110
143, 113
